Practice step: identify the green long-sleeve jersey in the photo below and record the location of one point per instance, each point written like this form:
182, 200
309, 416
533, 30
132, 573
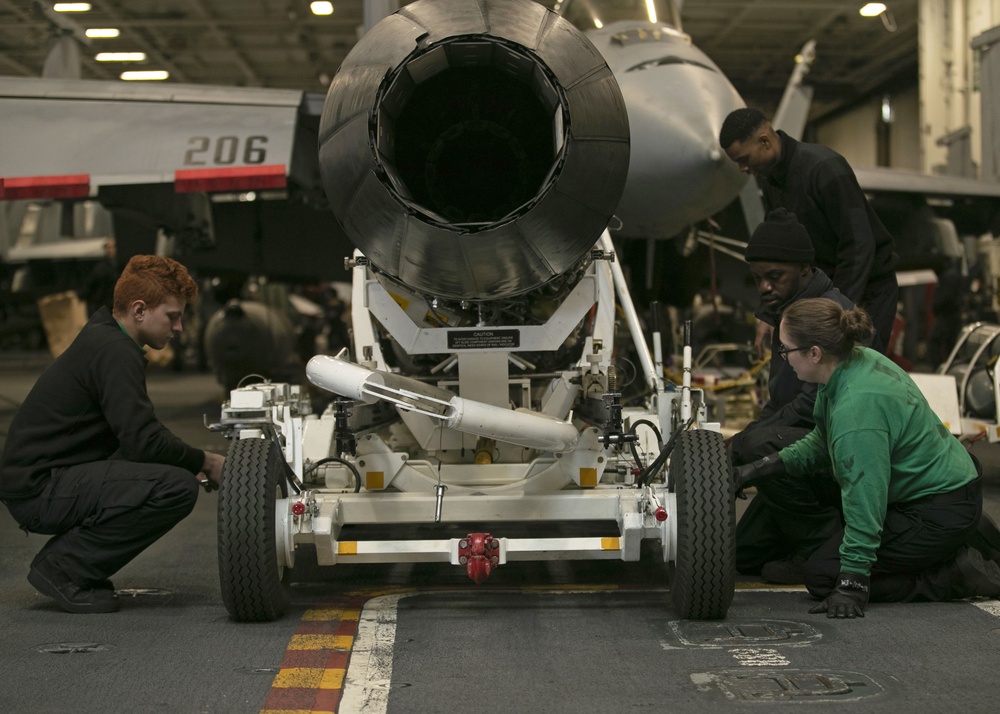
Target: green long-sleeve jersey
883, 443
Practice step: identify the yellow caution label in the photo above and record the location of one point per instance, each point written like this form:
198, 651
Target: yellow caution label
374, 480
435, 319
588, 478
347, 547
400, 300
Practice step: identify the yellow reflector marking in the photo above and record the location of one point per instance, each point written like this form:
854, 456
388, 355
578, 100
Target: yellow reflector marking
330, 614
611, 544
321, 642
309, 678
347, 547
588, 478
374, 480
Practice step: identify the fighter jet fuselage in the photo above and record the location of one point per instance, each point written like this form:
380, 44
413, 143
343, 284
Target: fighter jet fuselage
676, 99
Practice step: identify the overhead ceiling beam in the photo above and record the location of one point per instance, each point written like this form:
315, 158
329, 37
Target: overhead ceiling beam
226, 41
18, 67
149, 41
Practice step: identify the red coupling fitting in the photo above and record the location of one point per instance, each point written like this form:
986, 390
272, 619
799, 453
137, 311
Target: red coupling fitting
298, 508
660, 514
479, 553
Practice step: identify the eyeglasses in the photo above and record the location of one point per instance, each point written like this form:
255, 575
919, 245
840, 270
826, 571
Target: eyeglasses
785, 351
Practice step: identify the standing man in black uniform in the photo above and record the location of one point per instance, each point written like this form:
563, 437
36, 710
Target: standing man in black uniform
820, 188
86, 459
790, 517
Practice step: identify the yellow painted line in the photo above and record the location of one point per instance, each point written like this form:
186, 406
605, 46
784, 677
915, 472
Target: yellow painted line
309, 678
321, 642
611, 544
771, 587
347, 547
295, 711
570, 589
329, 614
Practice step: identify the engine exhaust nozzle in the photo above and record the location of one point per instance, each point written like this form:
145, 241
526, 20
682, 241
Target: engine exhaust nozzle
472, 149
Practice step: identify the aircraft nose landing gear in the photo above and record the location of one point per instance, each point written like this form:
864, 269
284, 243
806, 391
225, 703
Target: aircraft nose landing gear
479, 553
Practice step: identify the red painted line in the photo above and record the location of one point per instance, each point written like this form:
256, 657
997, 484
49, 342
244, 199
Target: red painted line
316, 665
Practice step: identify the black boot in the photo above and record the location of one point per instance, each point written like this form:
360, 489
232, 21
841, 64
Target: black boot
784, 572
72, 597
986, 539
980, 576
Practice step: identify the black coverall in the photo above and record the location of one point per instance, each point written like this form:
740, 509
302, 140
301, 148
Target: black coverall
87, 461
852, 246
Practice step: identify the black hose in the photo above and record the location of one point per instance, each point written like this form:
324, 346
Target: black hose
647, 476
635, 455
345, 462
651, 425
635, 451
272, 434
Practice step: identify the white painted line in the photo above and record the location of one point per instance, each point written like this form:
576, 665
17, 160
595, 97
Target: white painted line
369, 672
991, 606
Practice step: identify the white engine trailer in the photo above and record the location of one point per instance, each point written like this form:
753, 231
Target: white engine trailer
474, 153
454, 458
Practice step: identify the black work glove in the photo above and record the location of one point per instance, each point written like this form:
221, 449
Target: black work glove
848, 599
766, 466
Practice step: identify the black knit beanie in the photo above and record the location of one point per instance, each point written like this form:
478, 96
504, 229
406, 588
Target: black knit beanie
780, 239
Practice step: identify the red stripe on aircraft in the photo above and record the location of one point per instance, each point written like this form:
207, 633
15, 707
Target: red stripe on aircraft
240, 178
26, 187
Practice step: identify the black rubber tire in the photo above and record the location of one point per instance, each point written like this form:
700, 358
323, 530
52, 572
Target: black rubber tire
249, 574
703, 577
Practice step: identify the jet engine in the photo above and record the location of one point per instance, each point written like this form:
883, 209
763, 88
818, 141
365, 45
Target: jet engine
474, 151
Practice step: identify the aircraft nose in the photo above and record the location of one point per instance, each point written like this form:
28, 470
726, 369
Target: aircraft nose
678, 173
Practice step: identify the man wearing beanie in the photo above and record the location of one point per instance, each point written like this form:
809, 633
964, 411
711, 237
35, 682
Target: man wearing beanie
819, 186
790, 517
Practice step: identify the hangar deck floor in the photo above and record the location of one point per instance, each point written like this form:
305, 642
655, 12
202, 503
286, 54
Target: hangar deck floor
537, 637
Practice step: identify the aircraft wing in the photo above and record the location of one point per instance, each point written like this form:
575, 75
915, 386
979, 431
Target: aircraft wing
880, 180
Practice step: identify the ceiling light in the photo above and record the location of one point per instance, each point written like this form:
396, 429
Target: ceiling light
321, 8
879, 9
102, 32
146, 74
888, 111
872, 9
120, 56
71, 7
651, 10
